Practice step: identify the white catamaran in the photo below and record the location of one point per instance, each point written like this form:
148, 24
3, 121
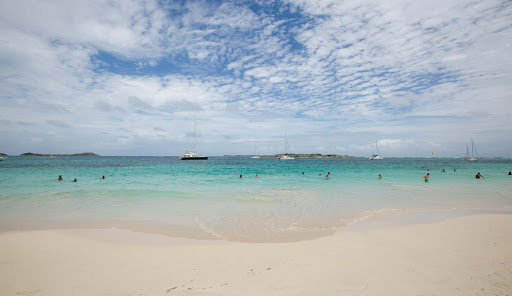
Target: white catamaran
285, 156
473, 152
376, 156
193, 154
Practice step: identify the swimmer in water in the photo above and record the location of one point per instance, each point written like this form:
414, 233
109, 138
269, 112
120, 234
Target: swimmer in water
443, 171
427, 176
478, 176
60, 178
75, 180
380, 177
240, 176
257, 176
103, 177
326, 177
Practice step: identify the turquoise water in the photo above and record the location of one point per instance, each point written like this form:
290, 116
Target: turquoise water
209, 200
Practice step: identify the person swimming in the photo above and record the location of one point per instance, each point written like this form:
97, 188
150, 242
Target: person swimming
240, 176
478, 176
60, 178
257, 175
103, 177
443, 171
509, 173
380, 177
326, 177
75, 180
454, 170
427, 176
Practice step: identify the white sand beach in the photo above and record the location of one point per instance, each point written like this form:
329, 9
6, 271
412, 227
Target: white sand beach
469, 255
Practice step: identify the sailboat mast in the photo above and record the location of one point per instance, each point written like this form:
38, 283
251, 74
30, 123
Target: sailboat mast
285, 144
472, 148
195, 137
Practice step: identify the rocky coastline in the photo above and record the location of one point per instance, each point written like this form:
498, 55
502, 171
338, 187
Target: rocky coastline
76, 154
314, 155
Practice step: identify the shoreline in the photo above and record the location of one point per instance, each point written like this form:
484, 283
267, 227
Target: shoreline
370, 220
468, 255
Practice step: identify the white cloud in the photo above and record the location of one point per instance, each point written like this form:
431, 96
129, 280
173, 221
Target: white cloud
368, 70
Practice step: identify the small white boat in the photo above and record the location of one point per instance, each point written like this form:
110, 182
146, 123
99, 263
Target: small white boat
376, 156
2, 158
192, 153
286, 155
473, 152
255, 156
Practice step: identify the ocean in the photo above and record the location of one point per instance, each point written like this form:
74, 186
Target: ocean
290, 200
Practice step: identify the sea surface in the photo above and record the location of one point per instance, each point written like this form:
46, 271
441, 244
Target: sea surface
289, 200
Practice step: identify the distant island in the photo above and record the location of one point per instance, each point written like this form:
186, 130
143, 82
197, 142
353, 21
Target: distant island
315, 155
76, 154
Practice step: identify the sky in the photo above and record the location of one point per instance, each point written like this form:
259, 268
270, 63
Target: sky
123, 77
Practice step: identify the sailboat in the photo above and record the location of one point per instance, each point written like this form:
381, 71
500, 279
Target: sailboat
376, 156
192, 154
473, 152
285, 156
256, 155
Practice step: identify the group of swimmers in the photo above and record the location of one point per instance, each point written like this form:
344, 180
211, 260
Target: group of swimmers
426, 177
326, 176
75, 180
477, 176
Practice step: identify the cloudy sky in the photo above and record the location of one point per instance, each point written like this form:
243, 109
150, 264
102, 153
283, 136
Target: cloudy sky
123, 77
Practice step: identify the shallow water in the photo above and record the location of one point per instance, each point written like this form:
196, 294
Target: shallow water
208, 199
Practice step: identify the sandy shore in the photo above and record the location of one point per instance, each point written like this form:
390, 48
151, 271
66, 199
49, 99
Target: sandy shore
469, 255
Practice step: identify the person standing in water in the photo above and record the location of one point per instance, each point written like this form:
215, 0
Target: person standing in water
380, 177
478, 176
427, 176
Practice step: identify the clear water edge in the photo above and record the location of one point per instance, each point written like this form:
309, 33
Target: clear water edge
208, 199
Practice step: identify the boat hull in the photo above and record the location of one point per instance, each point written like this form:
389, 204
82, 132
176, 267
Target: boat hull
285, 157
195, 158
